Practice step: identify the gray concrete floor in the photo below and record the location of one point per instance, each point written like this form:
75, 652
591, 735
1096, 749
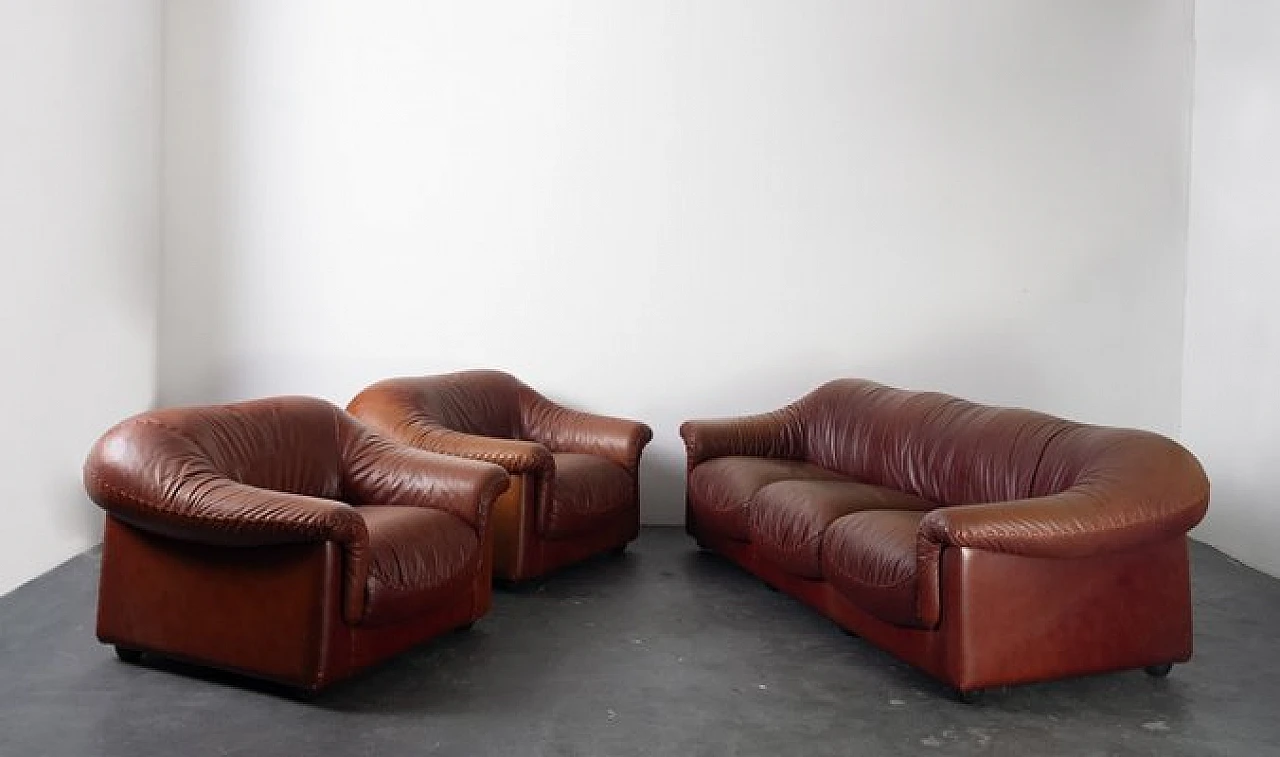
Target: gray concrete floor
666, 651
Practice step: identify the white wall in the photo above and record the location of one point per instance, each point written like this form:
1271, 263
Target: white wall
1231, 410
79, 119
672, 209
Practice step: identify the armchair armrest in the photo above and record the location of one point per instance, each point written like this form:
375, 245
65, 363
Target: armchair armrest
775, 434
381, 472
563, 429
209, 508
1079, 522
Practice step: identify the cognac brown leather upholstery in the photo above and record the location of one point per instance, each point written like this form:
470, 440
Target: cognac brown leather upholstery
986, 545
283, 539
574, 489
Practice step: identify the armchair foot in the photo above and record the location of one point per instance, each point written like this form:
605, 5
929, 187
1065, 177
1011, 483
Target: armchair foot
970, 697
618, 551
1159, 671
131, 656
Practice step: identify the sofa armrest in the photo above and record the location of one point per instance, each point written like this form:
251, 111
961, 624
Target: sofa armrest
1079, 522
562, 429
774, 434
381, 472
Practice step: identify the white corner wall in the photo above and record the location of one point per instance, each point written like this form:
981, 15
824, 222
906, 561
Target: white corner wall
79, 243
1231, 370
666, 209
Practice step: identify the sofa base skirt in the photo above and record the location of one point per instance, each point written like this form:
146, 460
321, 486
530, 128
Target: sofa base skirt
272, 613
1008, 619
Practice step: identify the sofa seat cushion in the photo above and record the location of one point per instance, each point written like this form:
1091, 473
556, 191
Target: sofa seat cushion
419, 558
588, 493
870, 558
788, 519
720, 490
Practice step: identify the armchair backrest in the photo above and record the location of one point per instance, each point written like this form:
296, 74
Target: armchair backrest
480, 402
285, 444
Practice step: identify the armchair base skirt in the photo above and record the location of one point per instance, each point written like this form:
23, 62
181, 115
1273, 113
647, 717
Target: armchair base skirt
273, 613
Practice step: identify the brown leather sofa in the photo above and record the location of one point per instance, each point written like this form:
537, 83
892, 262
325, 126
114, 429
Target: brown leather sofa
283, 539
986, 546
574, 489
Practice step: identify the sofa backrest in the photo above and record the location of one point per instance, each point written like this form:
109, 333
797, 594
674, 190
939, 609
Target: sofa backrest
938, 447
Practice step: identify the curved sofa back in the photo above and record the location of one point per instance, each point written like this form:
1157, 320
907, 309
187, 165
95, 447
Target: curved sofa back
956, 452
942, 448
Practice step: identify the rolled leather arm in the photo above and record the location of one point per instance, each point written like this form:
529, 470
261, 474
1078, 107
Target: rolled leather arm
1076, 523
381, 472
775, 434
514, 456
563, 429
209, 508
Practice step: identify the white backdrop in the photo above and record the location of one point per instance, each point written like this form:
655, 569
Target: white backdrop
670, 209
1232, 369
79, 238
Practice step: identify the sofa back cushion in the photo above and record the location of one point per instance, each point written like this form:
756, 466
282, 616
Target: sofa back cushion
944, 449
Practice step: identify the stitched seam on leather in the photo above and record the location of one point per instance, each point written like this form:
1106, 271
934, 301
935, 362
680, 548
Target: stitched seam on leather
218, 519
181, 434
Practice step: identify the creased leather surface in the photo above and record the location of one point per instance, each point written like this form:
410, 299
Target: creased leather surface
419, 557
589, 492
1025, 482
720, 490
273, 471
490, 415
870, 557
779, 434
1007, 481
941, 448
789, 518
378, 471
1097, 490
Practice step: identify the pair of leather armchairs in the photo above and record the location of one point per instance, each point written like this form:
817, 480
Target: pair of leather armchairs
291, 541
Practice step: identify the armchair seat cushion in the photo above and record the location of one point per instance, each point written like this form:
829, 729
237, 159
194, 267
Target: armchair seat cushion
788, 519
588, 492
418, 557
720, 489
870, 557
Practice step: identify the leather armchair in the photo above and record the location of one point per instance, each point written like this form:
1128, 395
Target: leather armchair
285, 540
985, 545
574, 490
